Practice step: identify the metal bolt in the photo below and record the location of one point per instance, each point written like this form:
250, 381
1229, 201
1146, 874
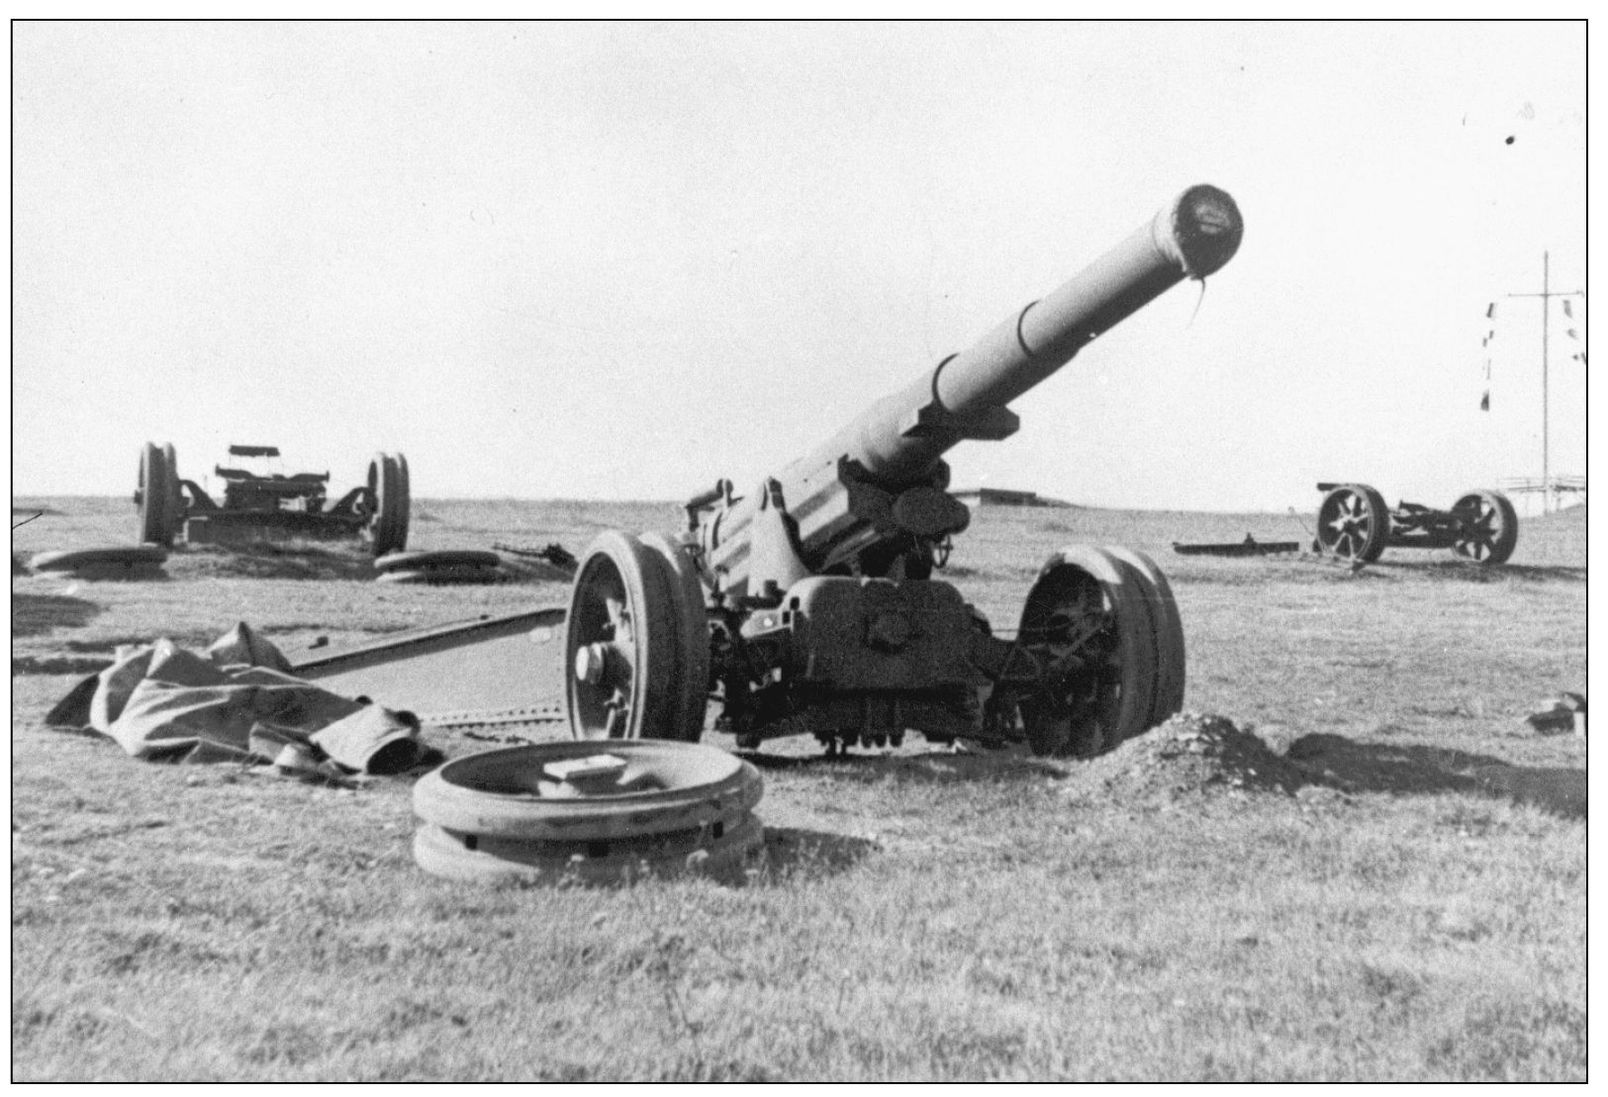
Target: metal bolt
590, 662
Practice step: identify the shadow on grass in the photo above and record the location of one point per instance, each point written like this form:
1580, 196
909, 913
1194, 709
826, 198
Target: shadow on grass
1466, 571
290, 559
1382, 767
794, 850
1311, 568
32, 614
934, 768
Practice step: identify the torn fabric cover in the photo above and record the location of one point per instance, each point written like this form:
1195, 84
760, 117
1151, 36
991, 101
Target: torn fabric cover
164, 703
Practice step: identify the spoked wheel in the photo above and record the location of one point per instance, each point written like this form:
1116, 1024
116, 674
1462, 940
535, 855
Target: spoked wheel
1169, 632
1354, 523
620, 640
389, 491
691, 674
156, 487
1490, 527
1089, 614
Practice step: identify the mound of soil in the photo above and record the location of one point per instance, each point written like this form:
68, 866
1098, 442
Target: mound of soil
1192, 753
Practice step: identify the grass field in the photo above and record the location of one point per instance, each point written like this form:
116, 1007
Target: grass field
1407, 902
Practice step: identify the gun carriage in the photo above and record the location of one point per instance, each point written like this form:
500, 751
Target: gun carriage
265, 503
807, 604
1355, 525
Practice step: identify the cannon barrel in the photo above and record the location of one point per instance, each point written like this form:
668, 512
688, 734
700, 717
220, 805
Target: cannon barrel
898, 439
882, 475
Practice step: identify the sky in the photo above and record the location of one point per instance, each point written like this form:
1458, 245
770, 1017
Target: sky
621, 261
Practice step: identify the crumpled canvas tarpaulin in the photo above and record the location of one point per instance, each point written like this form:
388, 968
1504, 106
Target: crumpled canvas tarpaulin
239, 703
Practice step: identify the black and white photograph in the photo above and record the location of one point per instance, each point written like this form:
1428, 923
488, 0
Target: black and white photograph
775, 551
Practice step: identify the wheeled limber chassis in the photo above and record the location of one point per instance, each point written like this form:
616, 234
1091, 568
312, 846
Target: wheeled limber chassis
1355, 525
264, 505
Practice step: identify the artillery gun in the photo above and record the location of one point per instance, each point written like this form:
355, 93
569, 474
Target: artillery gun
807, 605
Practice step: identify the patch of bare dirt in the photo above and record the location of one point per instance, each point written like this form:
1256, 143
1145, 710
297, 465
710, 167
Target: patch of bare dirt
263, 559
1192, 753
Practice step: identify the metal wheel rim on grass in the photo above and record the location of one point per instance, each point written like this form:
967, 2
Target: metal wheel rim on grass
424, 559
145, 555
443, 853
672, 787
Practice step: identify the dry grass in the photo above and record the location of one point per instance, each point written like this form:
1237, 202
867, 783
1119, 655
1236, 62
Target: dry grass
1414, 909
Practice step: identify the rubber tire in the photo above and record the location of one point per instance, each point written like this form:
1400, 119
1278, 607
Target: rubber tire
652, 709
1171, 670
174, 506
388, 484
1507, 534
154, 492
692, 636
1126, 703
494, 793
404, 503
1371, 506
442, 853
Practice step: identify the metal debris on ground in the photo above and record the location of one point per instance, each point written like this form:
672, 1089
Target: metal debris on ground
1248, 547
1554, 716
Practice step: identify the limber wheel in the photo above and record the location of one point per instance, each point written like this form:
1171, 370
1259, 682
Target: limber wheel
1354, 523
691, 656
1490, 527
389, 490
1169, 633
155, 489
1089, 617
403, 505
620, 637
173, 505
